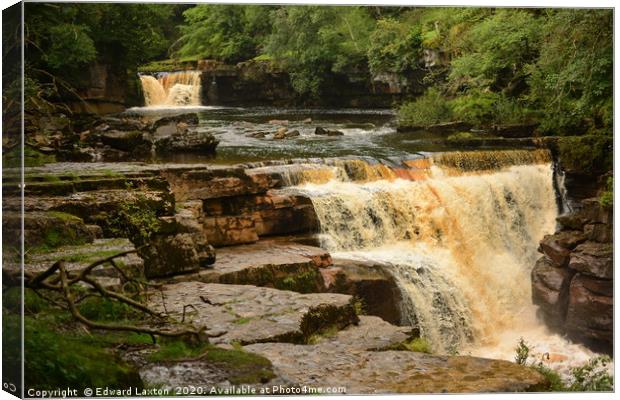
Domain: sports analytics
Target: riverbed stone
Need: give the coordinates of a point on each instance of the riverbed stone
(249, 314)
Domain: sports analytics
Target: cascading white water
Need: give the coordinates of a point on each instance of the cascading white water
(171, 89)
(461, 245)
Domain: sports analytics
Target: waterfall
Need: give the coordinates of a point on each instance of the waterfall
(171, 89)
(459, 235)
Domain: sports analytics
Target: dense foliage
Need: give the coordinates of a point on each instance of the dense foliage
(484, 66)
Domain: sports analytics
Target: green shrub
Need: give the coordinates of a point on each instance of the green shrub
(555, 380)
(429, 109)
(522, 352)
(592, 376)
(477, 108)
(607, 197)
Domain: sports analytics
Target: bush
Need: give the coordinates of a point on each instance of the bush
(592, 376)
(431, 108)
(477, 108)
(607, 197)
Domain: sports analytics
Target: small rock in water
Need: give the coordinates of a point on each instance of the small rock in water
(257, 134)
(280, 133)
(279, 122)
(327, 132)
(307, 120)
(291, 134)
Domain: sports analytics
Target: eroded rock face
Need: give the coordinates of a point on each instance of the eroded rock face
(590, 309)
(572, 282)
(168, 255)
(595, 259)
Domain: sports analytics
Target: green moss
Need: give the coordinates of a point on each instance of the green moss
(12, 299)
(169, 65)
(326, 333)
(56, 358)
(586, 154)
(134, 219)
(32, 158)
(242, 321)
(176, 349)
(461, 136)
(104, 309)
(64, 216)
(244, 367)
(302, 282)
(419, 345)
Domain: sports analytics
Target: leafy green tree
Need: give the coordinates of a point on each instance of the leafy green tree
(572, 79)
(394, 47)
(230, 33)
(313, 41)
(496, 50)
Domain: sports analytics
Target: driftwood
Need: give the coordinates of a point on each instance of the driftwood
(58, 280)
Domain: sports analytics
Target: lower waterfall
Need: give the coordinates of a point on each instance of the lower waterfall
(460, 243)
(180, 88)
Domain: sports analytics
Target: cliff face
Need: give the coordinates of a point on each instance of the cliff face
(572, 283)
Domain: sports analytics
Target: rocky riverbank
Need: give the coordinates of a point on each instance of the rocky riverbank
(224, 253)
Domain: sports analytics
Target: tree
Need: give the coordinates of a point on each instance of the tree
(313, 41)
(572, 79)
(229, 33)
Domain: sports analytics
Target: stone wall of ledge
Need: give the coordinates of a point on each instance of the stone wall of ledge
(572, 283)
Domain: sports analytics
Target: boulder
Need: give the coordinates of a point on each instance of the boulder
(190, 119)
(590, 309)
(558, 246)
(130, 141)
(167, 255)
(602, 233)
(327, 132)
(187, 142)
(594, 259)
(280, 134)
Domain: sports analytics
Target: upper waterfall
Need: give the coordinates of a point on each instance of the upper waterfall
(180, 88)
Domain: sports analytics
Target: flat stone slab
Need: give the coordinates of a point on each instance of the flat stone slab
(370, 333)
(250, 314)
(265, 263)
(370, 372)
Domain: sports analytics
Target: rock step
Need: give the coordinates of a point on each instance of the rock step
(272, 263)
(369, 372)
(249, 314)
(66, 187)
